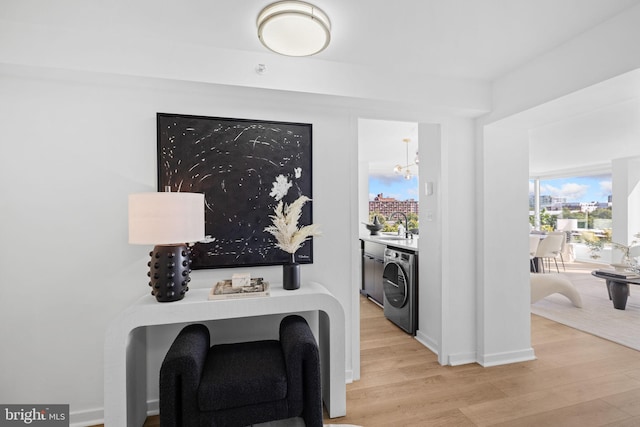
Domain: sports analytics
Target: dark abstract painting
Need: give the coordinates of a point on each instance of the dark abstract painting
(244, 168)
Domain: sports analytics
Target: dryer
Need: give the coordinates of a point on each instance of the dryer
(400, 286)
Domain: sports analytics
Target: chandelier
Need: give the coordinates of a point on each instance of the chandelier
(405, 170)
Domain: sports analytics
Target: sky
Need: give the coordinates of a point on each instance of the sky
(393, 186)
(595, 188)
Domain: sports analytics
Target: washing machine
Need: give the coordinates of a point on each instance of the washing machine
(400, 286)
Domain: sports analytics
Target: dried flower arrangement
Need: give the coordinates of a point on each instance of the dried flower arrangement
(285, 226)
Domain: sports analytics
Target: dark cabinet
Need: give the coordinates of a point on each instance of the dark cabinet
(372, 270)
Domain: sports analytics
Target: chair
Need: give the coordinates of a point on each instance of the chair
(562, 247)
(244, 383)
(534, 241)
(549, 248)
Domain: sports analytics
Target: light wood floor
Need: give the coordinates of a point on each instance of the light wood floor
(577, 380)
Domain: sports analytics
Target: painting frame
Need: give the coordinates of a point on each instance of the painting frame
(244, 167)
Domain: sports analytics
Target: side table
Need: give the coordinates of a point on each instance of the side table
(125, 342)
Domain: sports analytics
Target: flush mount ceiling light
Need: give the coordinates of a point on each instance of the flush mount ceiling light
(294, 28)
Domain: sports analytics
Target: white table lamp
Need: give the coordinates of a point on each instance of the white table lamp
(169, 221)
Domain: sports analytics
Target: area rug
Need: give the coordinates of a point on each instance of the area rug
(597, 316)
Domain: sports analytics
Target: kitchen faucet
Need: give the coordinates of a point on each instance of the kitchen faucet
(407, 235)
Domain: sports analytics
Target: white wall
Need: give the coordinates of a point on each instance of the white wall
(601, 53)
(75, 146)
(626, 201)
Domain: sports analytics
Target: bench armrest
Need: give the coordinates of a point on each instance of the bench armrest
(180, 375)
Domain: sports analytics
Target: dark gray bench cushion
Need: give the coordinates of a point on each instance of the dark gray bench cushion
(242, 374)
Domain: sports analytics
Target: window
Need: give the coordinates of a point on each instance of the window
(388, 194)
(585, 199)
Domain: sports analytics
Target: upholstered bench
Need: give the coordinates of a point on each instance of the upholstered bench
(244, 383)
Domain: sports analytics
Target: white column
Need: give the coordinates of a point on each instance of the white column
(432, 191)
(504, 319)
(626, 201)
(447, 276)
(537, 203)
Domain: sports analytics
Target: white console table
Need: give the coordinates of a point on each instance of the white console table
(125, 402)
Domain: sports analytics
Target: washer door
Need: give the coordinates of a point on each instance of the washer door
(394, 282)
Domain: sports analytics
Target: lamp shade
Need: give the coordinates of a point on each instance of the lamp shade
(166, 218)
(294, 28)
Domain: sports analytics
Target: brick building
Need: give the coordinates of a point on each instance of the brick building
(387, 205)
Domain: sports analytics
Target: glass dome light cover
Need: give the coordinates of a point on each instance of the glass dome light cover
(294, 28)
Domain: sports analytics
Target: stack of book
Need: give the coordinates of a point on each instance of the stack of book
(224, 289)
(618, 274)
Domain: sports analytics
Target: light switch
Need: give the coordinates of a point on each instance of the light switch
(428, 188)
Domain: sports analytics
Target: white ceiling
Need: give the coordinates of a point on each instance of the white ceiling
(475, 39)
(471, 39)
(582, 132)
(381, 145)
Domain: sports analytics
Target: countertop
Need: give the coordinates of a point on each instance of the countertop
(391, 239)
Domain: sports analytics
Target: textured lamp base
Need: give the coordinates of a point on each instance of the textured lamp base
(169, 270)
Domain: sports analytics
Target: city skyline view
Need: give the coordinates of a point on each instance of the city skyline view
(595, 188)
(394, 186)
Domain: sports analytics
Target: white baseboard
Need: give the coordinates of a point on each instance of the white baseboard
(453, 359)
(472, 357)
(96, 416)
(427, 342)
(153, 407)
(86, 418)
(348, 376)
(505, 358)
(462, 358)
